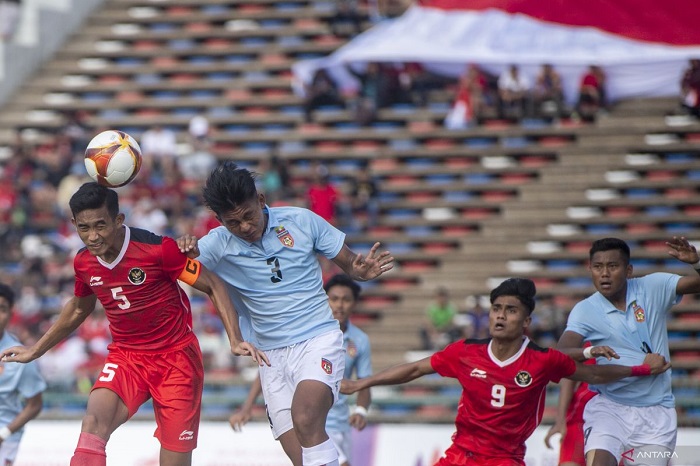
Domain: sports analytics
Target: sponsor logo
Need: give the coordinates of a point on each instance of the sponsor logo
(186, 435)
(478, 373)
(643, 454)
(638, 312)
(136, 276)
(628, 455)
(523, 378)
(327, 366)
(284, 236)
(95, 281)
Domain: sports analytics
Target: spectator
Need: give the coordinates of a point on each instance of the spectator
(159, 148)
(415, 82)
(514, 92)
(461, 115)
(9, 18)
(199, 133)
(321, 91)
(690, 88)
(275, 179)
(592, 97)
(322, 197)
(548, 93)
(363, 194)
(474, 322)
(346, 13)
(439, 330)
(378, 86)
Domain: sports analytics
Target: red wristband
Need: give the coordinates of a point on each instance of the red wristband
(641, 370)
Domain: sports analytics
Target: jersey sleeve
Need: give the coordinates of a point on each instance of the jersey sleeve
(578, 321)
(211, 247)
(560, 365)
(664, 286)
(447, 362)
(327, 239)
(176, 264)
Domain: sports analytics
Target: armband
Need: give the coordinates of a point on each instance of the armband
(588, 352)
(5, 432)
(190, 273)
(361, 410)
(642, 370)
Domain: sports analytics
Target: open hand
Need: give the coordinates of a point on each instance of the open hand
(372, 266)
(188, 245)
(681, 249)
(247, 349)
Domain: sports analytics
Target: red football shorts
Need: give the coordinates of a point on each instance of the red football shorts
(455, 456)
(173, 379)
(571, 450)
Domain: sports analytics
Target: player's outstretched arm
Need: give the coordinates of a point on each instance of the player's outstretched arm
(358, 419)
(392, 376)
(210, 283)
(362, 268)
(571, 344)
(32, 408)
(680, 248)
(72, 315)
(653, 364)
(242, 415)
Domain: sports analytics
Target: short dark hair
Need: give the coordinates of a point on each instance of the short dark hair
(227, 187)
(7, 293)
(610, 244)
(94, 196)
(343, 280)
(522, 288)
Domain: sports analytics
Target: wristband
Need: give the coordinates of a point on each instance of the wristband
(638, 371)
(5, 432)
(588, 352)
(361, 410)
(696, 265)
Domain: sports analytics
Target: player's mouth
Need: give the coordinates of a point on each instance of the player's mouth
(605, 285)
(499, 326)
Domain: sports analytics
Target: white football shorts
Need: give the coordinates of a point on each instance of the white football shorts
(627, 431)
(320, 358)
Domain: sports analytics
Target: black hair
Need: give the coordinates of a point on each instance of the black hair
(522, 288)
(610, 244)
(94, 196)
(7, 293)
(227, 187)
(343, 280)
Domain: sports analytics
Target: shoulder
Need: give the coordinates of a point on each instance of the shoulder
(355, 333)
(532, 346)
(139, 235)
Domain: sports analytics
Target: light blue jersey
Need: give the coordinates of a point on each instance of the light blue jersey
(629, 333)
(276, 283)
(357, 362)
(17, 381)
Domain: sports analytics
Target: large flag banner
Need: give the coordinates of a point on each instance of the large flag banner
(642, 45)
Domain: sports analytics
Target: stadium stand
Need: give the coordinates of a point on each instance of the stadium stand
(460, 209)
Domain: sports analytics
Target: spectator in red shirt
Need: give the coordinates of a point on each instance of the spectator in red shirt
(322, 196)
(592, 95)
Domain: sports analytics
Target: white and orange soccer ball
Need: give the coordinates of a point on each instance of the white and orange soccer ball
(113, 158)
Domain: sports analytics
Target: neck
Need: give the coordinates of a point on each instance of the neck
(115, 248)
(506, 349)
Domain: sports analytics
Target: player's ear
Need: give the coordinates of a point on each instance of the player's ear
(630, 269)
(261, 198)
(119, 219)
(527, 322)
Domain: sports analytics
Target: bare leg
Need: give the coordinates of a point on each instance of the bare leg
(290, 445)
(310, 405)
(175, 458)
(600, 458)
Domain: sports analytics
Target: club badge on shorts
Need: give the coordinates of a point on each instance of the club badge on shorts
(523, 378)
(284, 236)
(136, 276)
(327, 366)
(638, 312)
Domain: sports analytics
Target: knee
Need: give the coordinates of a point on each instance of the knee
(92, 425)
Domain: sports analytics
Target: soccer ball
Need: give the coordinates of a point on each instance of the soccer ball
(113, 158)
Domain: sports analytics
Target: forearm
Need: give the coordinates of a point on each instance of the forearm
(566, 392)
(31, 409)
(68, 320)
(364, 398)
(397, 375)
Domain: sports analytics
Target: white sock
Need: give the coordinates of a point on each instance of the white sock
(324, 454)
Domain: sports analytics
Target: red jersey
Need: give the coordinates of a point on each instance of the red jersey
(146, 308)
(502, 401)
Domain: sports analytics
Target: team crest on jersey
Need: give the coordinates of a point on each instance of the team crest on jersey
(639, 313)
(137, 276)
(351, 349)
(327, 366)
(523, 378)
(284, 236)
